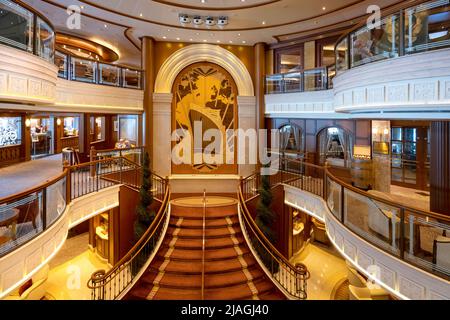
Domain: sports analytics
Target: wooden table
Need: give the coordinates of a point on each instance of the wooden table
(8, 218)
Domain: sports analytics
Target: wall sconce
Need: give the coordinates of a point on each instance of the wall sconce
(386, 131)
(28, 123)
(58, 122)
(375, 131)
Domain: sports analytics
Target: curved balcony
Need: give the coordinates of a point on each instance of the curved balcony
(35, 223)
(401, 64)
(403, 249)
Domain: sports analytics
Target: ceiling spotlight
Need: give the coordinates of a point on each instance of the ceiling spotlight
(222, 21)
(209, 21)
(197, 20)
(184, 19)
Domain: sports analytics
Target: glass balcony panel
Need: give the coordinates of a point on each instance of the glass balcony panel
(61, 61)
(293, 82)
(373, 220)
(131, 79)
(342, 55)
(109, 75)
(427, 26)
(334, 198)
(56, 201)
(427, 243)
(20, 221)
(83, 70)
(274, 83)
(45, 40)
(16, 26)
(369, 45)
(315, 79)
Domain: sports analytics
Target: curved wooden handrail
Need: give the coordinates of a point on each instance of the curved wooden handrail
(48, 183)
(118, 149)
(262, 238)
(100, 275)
(385, 201)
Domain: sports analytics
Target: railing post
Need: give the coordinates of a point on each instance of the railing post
(68, 182)
(92, 156)
(402, 233)
(342, 204)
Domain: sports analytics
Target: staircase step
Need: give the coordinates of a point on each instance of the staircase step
(239, 292)
(198, 233)
(195, 267)
(218, 243)
(209, 224)
(177, 294)
(197, 213)
(212, 254)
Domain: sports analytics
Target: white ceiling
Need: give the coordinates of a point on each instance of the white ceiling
(250, 21)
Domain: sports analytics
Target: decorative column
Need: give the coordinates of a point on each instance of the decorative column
(162, 133)
(148, 51)
(247, 115)
(260, 74)
(440, 167)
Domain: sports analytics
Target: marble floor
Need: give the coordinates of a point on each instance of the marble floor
(26, 175)
(71, 269)
(326, 267)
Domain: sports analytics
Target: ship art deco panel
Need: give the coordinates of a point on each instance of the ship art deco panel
(205, 97)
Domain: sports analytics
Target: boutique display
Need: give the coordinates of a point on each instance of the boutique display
(10, 131)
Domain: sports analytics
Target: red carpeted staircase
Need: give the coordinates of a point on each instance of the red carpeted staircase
(231, 272)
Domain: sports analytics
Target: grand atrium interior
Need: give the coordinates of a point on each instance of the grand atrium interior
(224, 150)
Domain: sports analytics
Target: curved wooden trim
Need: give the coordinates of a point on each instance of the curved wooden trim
(107, 55)
(34, 11)
(206, 8)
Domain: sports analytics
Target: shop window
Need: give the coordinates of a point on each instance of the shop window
(289, 60)
(71, 127)
(16, 26)
(10, 131)
(427, 27)
(128, 131)
(41, 137)
(291, 139)
(98, 129)
(335, 147)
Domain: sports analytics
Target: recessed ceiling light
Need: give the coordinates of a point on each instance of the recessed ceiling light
(244, 42)
(203, 1)
(263, 22)
(239, 34)
(140, 14)
(164, 37)
(324, 8)
(178, 39)
(82, 7)
(231, 41)
(190, 39)
(218, 41)
(205, 40)
(106, 26)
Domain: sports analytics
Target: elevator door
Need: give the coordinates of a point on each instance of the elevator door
(411, 157)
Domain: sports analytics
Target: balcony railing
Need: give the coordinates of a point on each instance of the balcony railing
(292, 278)
(304, 81)
(418, 237)
(420, 28)
(23, 28)
(25, 216)
(91, 71)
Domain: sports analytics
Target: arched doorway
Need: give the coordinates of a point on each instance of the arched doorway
(335, 146)
(291, 140)
(204, 102)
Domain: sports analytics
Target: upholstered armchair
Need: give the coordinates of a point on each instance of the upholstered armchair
(359, 289)
(441, 253)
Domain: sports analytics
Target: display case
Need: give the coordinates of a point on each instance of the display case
(10, 131)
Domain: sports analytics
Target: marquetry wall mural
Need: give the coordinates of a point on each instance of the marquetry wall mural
(205, 97)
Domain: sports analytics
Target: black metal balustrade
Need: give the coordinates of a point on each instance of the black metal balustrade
(420, 238)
